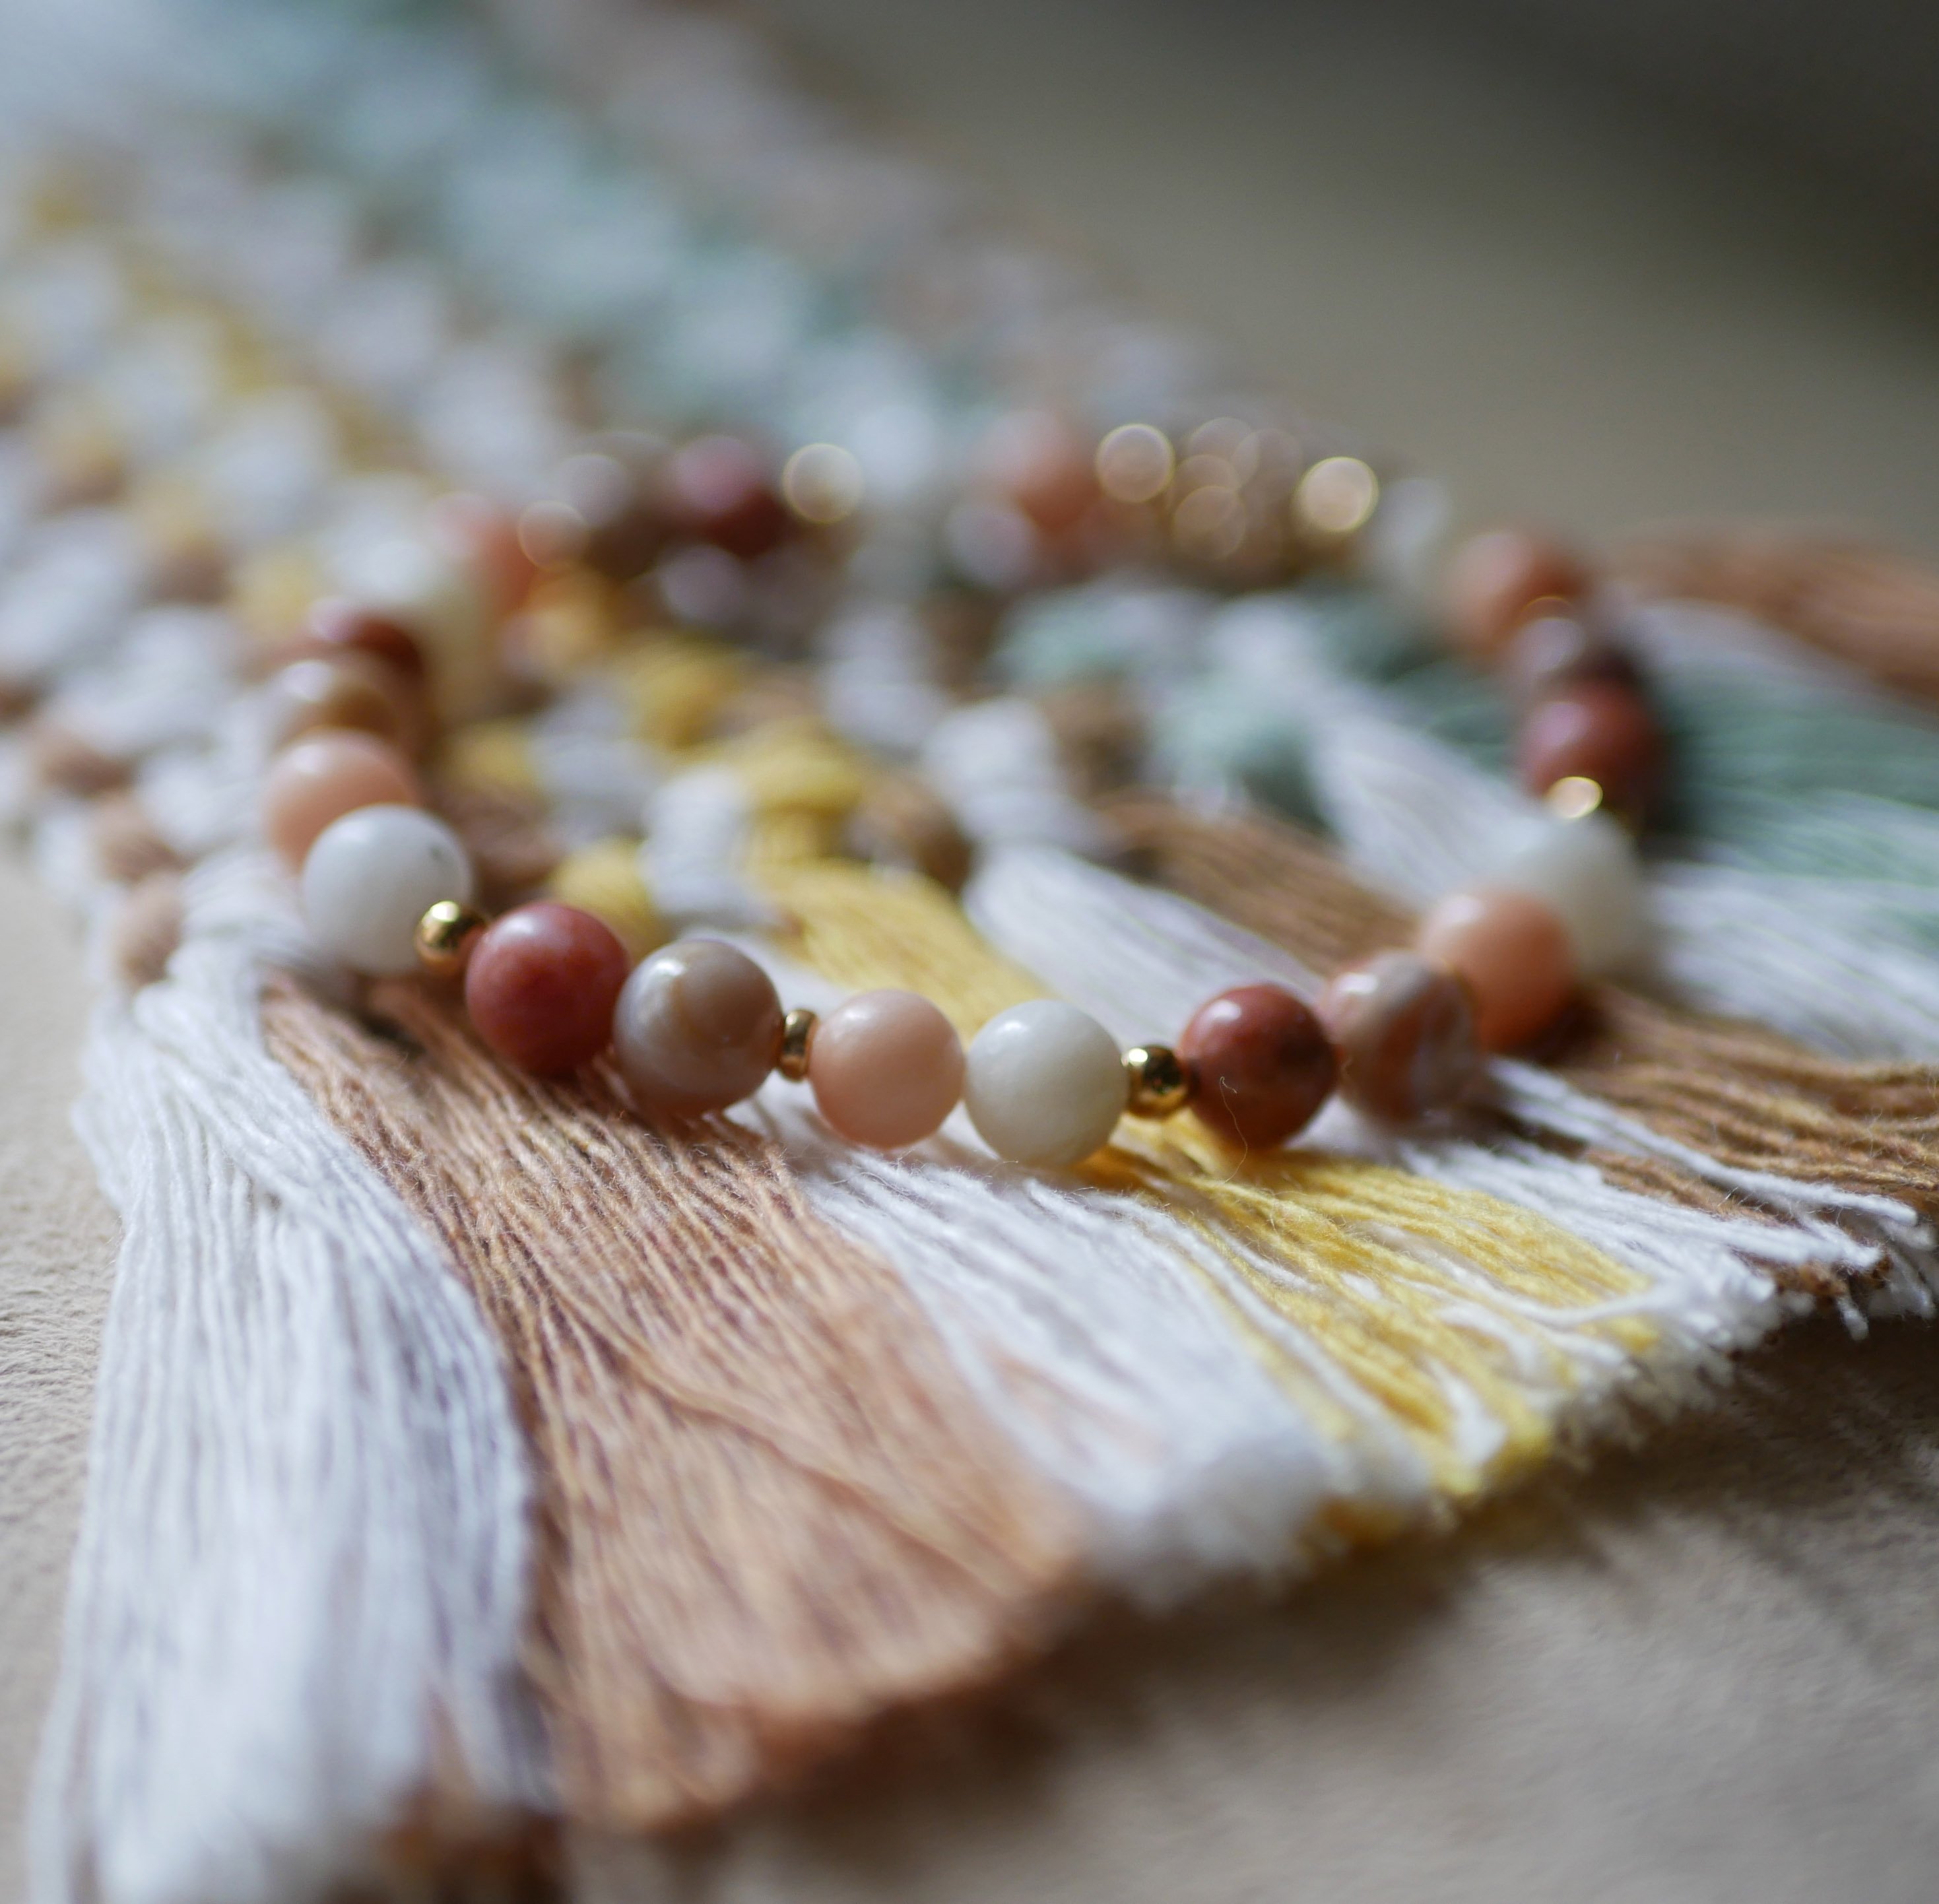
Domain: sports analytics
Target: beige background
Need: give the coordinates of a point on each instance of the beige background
(1704, 1671)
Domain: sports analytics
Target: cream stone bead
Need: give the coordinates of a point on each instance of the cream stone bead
(698, 1027)
(372, 875)
(886, 1069)
(1586, 871)
(1045, 1084)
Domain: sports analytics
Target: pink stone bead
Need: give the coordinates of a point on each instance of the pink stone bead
(1495, 578)
(542, 985)
(320, 778)
(1262, 1063)
(1511, 952)
(1405, 1030)
(886, 1069)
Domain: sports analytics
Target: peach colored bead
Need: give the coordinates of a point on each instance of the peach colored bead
(886, 1069)
(1511, 952)
(323, 776)
(1495, 578)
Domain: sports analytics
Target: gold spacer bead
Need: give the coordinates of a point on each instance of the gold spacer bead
(1161, 1081)
(797, 1034)
(1574, 796)
(447, 935)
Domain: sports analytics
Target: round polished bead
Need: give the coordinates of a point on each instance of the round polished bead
(1495, 578)
(325, 775)
(1599, 731)
(336, 625)
(886, 1069)
(1262, 1062)
(372, 875)
(542, 985)
(1554, 653)
(1160, 1081)
(342, 691)
(1044, 1083)
(721, 493)
(1586, 871)
(698, 1027)
(1404, 1032)
(1512, 953)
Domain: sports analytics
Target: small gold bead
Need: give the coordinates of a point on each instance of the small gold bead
(1161, 1081)
(797, 1034)
(447, 935)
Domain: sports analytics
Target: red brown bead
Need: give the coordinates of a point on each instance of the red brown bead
(720, 491)
(1554, 653)
(1263, 1064)
(1405, 1032)
(1496, 579)
(335, 626)
(541, 984)
(1601, 730)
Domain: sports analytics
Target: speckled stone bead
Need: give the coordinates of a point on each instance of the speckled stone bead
(323, 776)
(698, 1027)
(372, 875)
(1044, 1083)
(1512, 953)
(542, 985)
(1495, 578)
(886, 1068)
(1403, 1031)
(1262, 1062)
(1601, 730)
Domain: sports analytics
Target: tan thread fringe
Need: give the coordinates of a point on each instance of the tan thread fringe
(771, 1509)
(1744, 1095)
(1878, 611)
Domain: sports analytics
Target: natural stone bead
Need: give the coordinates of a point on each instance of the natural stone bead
(343, 691)
(1263, 1065)
(1044, 1083)
(325, 775)
(1512, 953)
(1587, 872)
(1494, 580)
(372, 875)
(901, 821)
(1601, 730)
(720, 491)
(698, 1027)
(1554, 653)
(542, 986)
(1043, 466)
(146, 930)
(126, 846)
(1405, 1032)
(886, 1069)
(336, 625)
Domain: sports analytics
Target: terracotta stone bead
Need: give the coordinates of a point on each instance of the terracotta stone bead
(542, 985)
(1405, 1032)
(325, 775)
(1262, 1062)
(1601, 730)
(345, 692)
(1513, 954)
(1554, 653)
(721, 491)
(335, 626)
(1496, 578)
(698, 1027)
(886, 1069)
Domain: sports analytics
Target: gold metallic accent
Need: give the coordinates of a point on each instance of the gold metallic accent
(797, 1035)
(1135, 463)
(1574, 796)
(1161, 1081)
(1337, 497)
(448, 935)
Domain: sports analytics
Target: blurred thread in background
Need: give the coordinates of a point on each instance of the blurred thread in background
(1607, 263)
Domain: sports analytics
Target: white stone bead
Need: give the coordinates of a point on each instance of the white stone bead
(1586, 869)
(1045, 1084)
(370, 878)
